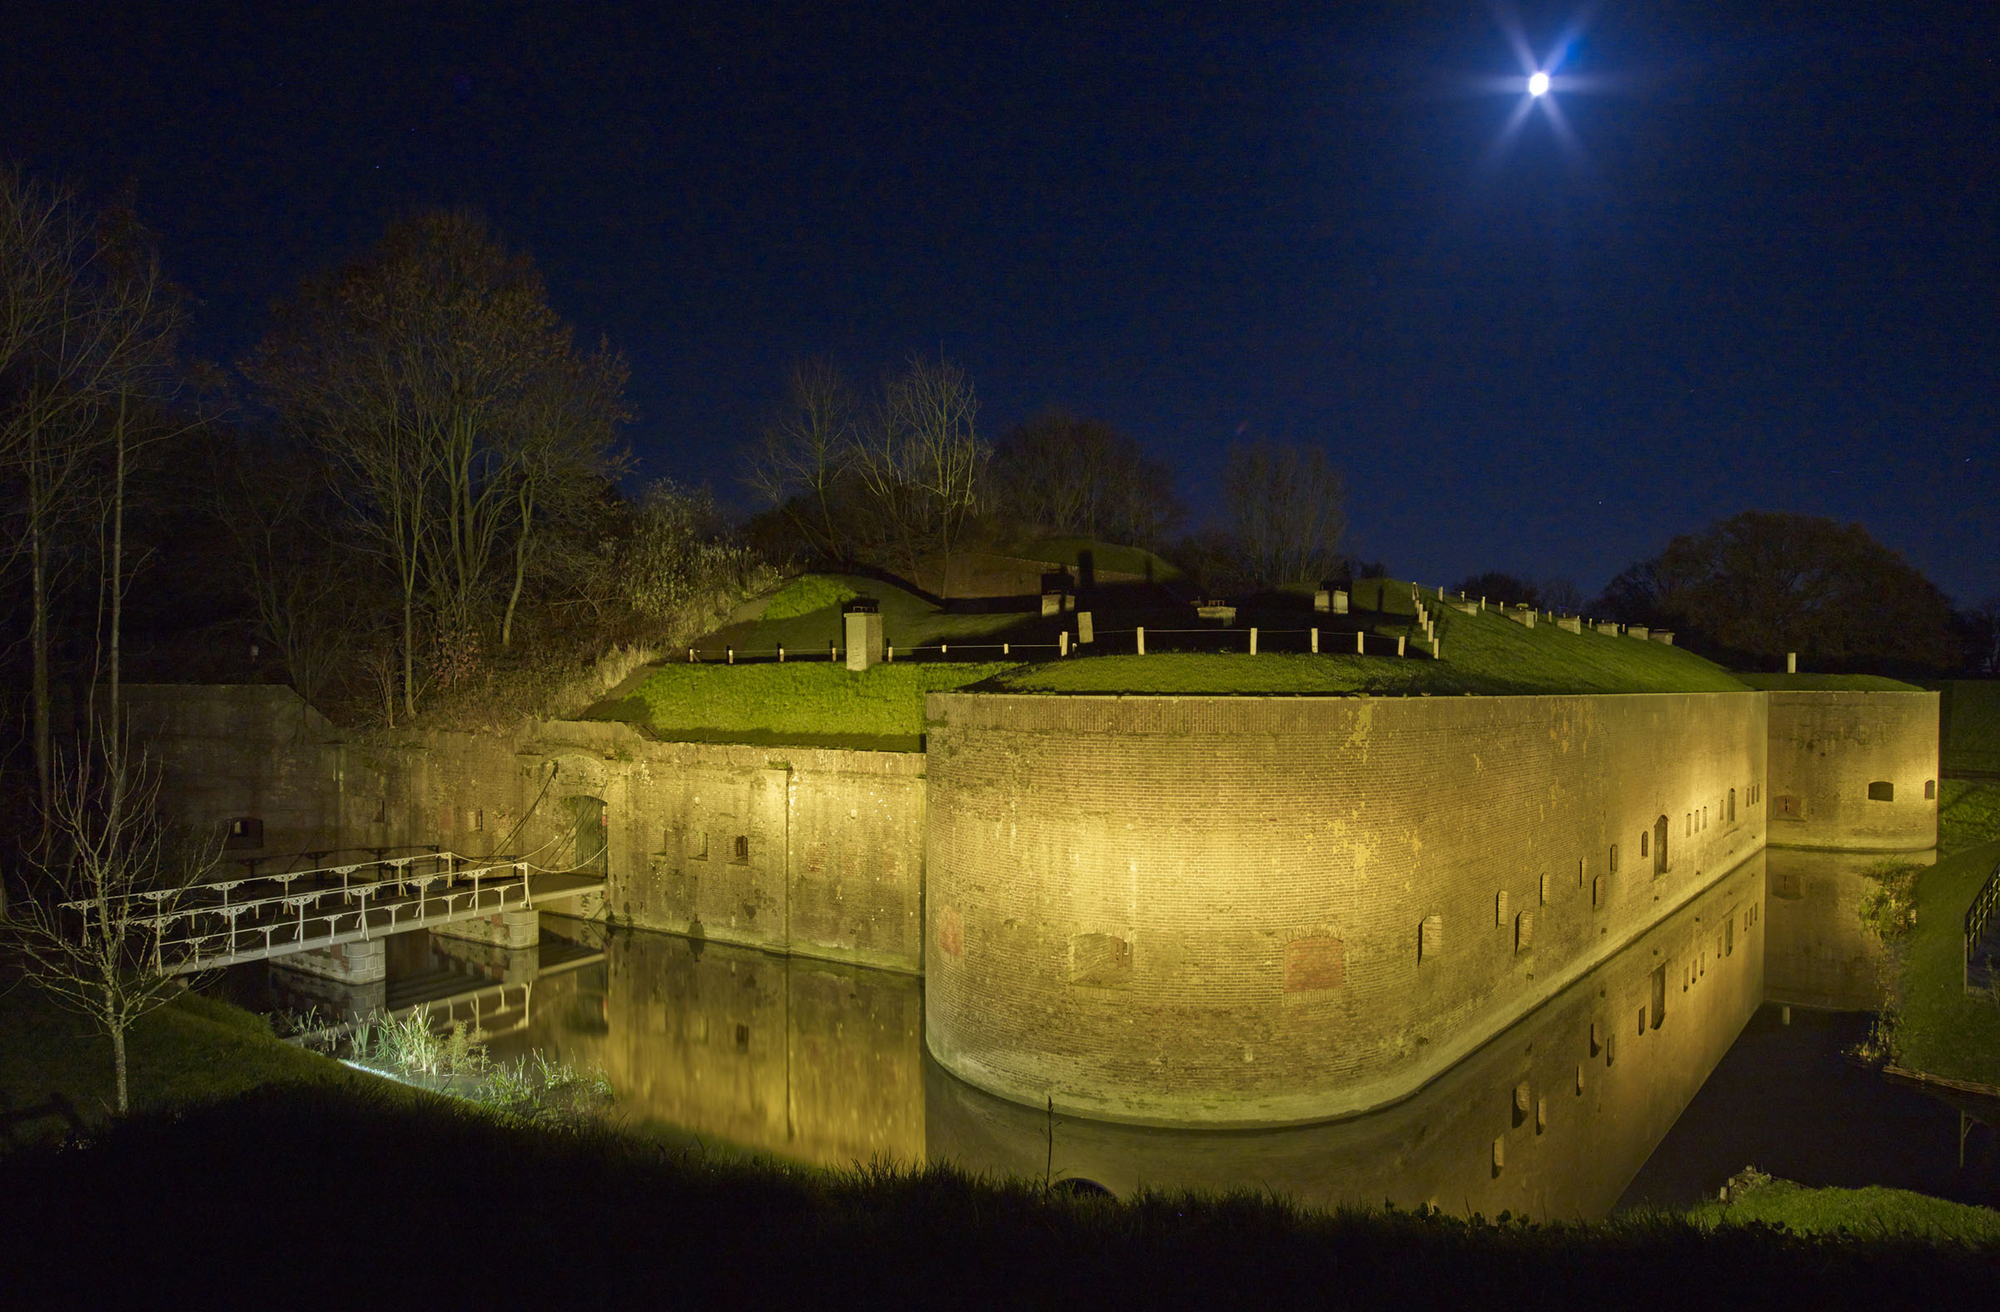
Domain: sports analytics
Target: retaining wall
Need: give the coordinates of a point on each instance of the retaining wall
(1854, 771)
(1256, 910)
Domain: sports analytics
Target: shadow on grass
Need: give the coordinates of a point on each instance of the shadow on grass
(355, 1195)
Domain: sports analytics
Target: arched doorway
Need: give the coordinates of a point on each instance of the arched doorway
(588, 821)
(1660, 846)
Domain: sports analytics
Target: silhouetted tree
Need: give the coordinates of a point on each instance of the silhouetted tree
(1287, 511)
(453, 409)
(919, 463)
(802, 465)
(1763, 583)
(1506, 588)
(1062, 474)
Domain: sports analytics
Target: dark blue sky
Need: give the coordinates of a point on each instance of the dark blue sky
(1764, 275)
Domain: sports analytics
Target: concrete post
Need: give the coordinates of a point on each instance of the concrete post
(1791, 662)
(1399, 644)
(781, 653)
(1253, 640)
(1062, 643)
(862, 624)
(1323, 601)
(1359, 639)
(1085, 630)
(1142, 640)
(730, 654)
(1315, 641)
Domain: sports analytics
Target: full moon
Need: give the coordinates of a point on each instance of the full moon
(1538, 84)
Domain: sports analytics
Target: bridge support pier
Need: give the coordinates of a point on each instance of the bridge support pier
(506, 929)
(348, 979)
(493, 961)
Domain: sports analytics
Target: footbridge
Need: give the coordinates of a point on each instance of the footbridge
(260, 917)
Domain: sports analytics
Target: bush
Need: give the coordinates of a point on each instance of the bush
(1889, 908)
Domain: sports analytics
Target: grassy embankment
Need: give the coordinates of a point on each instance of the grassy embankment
(232, 1185)
(1939, 1028)
(818, 702)
(1827, 683)
(193, 1050)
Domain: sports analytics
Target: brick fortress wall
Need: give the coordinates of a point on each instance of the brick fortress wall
(1247, 910)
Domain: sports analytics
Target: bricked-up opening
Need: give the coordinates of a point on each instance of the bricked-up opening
(1660, 846)
(1881, 791)
(245, 832)
(1314, 963)
(1523, 1102)
(1430, 938)
(1930, 790)
(1729, 937)
(1100, 961)
(1500, 907)
(1659, 995)
(698, 844)
(740, 850)
(951, 933)
(1597, 893)
(1732, 806)
(1645, 843)
(1499, 1155)
(1786, 807)
(589, 826)
(1787, 887)
(1524, 931)
(1611, 864)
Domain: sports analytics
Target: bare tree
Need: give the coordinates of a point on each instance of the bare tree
(106, 870)
(802, 464)
(88, 326)
(1287, 510)
(920, 462)
(447, 397)
(1069, 475)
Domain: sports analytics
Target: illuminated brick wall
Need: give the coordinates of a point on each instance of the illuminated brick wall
(1210, 909)
(1854, 770)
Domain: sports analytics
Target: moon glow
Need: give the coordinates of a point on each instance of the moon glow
(1538, 84)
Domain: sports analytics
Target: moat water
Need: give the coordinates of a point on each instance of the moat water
(1581, 1108)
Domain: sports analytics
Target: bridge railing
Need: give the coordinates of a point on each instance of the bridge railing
(1985, 906)
(201, 926)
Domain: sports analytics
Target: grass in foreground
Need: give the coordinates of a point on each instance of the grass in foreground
(192, 1050)
(1938, 1027)
(1873, 1212)
(694, 1230)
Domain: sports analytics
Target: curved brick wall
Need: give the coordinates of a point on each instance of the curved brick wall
(1829, 749)
(1209, 910)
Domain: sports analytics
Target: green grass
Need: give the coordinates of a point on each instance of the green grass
(804, 703)
(806, 595)
(1483, 653)
(805, 615)
(1971, 728)
(1938, 1027)
(1968, 814)
(194, 1049)
(1873, 1212)
(1827, 683)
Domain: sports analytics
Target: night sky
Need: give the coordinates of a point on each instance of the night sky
(1761, 270)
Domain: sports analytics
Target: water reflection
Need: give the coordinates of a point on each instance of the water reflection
(825, 1063)
(1817, 953)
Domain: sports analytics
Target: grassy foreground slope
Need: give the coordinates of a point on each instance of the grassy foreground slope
(453, 1208)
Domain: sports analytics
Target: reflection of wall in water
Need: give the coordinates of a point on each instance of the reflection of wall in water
(1816, 952)
(1506, 1129)
(813, 1060)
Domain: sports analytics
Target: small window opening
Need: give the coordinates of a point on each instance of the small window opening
(698, 844)
(1881, 791)
(245, 832)
(1101, 961)
(1645, 844)
(1612, 864)
(1729, 937)
(1543, 891)
(1597, 892)
(1659, 995)
(1732, 806)
(742, 853)
(1430, 937)
(1930, 790)
(1500, 907)
(1524, 931)
(743, 1038)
